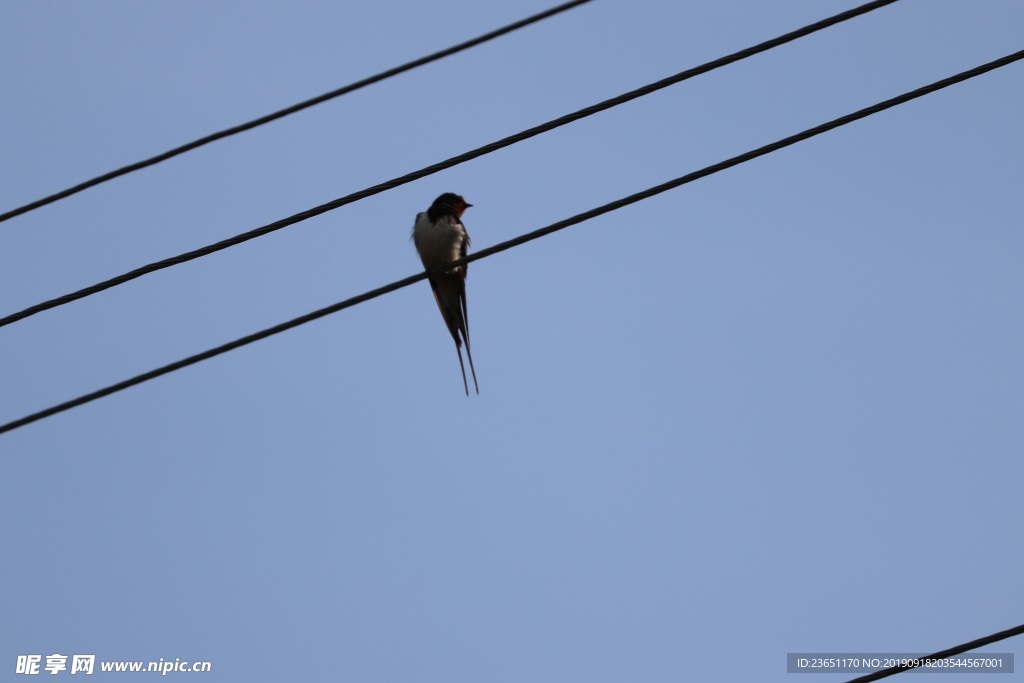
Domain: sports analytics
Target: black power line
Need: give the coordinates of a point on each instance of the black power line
(440, 166)
(951, 652)
(213, 137)
(490, 251)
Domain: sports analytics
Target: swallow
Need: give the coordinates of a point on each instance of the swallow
(440, 238)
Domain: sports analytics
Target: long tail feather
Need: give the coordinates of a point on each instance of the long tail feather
(471, 368)
(450, 294)
(463, 368)
(465, 335)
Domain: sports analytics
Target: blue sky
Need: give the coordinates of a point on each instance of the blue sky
(776, 410)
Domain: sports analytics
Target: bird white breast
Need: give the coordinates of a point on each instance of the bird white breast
(437, 242)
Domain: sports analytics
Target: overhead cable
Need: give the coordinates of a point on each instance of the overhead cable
(490, 251)
(219, 135)
(440, 166)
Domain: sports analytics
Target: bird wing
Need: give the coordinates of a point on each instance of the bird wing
(450, 294)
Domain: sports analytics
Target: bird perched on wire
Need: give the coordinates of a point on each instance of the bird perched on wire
(440, 238)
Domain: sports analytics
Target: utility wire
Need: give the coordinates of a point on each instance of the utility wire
(951, 652)
(408, 66)
(440, 166)
(522, 239)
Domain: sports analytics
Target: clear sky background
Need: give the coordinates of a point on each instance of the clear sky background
(776, 410)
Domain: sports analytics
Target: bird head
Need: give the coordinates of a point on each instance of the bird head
(450, 202)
